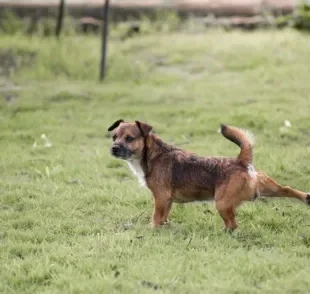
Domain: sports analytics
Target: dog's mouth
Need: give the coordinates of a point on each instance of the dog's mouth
(121, 152)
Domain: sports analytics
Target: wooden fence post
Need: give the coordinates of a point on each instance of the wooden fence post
(60, 17)
(104, 40)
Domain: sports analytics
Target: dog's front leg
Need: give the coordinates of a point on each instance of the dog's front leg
(162, 207)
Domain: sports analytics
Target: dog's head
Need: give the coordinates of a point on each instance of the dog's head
(129, 139)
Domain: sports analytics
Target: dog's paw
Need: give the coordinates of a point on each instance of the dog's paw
(229, 230)
(156, 225)
(161, 224)
(308, 199)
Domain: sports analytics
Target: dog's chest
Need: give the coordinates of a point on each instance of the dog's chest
(137, 170)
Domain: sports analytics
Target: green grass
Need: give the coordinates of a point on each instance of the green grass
(74, 220)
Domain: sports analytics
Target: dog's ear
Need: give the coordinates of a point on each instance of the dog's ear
(115, 125)
(144, 128)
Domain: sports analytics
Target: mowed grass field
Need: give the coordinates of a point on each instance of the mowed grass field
(74, 219)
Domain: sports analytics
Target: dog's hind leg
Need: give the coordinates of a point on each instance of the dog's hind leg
(226, 207)
(266, 186)
(230, 195)
(228, 215)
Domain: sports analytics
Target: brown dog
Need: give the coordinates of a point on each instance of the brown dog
(174, 175)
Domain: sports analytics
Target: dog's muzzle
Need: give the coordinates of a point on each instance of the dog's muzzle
(120, 152)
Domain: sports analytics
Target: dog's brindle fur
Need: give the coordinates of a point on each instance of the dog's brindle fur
(175, 175)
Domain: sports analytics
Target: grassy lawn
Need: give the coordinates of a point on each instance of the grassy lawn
(74, 220)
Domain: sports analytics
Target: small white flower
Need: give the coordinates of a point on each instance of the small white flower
(47, 142)
(287, 123)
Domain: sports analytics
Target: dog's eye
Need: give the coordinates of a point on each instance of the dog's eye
(114, 137)
(129, 139)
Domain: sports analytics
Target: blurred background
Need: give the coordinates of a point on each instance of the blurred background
(35, 16)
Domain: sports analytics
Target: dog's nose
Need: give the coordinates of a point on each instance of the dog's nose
(115, 149)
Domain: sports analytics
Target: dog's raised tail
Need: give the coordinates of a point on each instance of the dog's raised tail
(243, 138)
